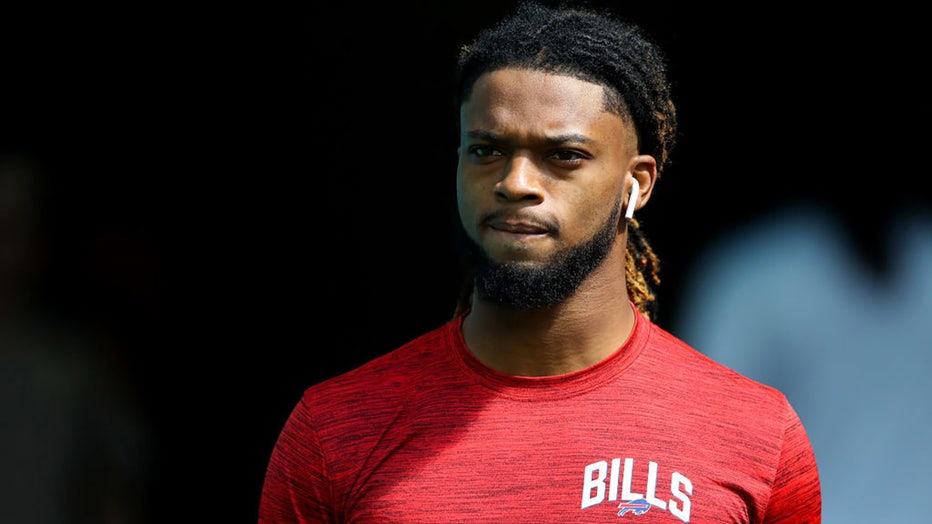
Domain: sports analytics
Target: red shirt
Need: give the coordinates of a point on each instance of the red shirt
(428, 434)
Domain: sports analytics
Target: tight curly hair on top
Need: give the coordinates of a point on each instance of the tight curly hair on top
(594, 46)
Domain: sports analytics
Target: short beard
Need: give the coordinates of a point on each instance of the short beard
(517, 286)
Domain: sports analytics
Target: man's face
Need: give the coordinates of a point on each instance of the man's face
(540, 180)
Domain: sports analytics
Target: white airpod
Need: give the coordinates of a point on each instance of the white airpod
(633, 199)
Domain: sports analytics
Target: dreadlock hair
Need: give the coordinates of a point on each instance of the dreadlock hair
(593, 46)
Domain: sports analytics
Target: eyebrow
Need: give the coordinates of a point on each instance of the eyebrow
(481, 134)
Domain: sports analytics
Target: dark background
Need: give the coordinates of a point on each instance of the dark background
(251, 199)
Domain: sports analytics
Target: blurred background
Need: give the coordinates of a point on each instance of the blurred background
(204, 210)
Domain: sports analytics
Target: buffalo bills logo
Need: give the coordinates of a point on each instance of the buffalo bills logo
(638, 507)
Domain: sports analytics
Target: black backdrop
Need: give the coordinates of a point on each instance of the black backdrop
(254, 198)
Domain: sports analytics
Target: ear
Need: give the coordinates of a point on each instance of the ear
(644, 169)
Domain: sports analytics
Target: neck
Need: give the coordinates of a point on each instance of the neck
(588, 327)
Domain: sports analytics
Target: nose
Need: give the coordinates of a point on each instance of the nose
(520, 181)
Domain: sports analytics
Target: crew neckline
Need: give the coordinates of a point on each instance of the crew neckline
(552, 386)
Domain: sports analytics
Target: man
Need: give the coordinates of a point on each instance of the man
(550, 396)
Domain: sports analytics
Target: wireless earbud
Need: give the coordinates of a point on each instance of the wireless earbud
(633, 199)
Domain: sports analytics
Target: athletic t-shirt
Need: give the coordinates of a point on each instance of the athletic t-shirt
(657, 432)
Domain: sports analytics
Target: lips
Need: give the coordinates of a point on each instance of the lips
(517, 226)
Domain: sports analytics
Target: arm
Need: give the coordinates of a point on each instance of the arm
(796, 496)
(297, 485)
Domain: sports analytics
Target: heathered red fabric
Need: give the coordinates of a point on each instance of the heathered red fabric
(656, 433)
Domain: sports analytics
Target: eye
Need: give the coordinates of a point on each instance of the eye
(568, 156)
(482, 151)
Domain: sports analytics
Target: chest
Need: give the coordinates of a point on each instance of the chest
(552, 463)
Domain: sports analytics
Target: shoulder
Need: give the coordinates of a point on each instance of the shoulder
(364, 402)
(386, 376)
(727, 408)
(683, 367)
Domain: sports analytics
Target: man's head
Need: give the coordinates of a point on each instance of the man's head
(588, 45)
(559, 110)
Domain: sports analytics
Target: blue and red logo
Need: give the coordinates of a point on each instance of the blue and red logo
(637, 507)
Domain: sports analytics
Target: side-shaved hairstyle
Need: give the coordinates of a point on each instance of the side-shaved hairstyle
(594, 46)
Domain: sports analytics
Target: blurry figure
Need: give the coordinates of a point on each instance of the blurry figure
(72, 441)
(793, 301)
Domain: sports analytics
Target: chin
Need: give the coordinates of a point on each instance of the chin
(518, 259)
